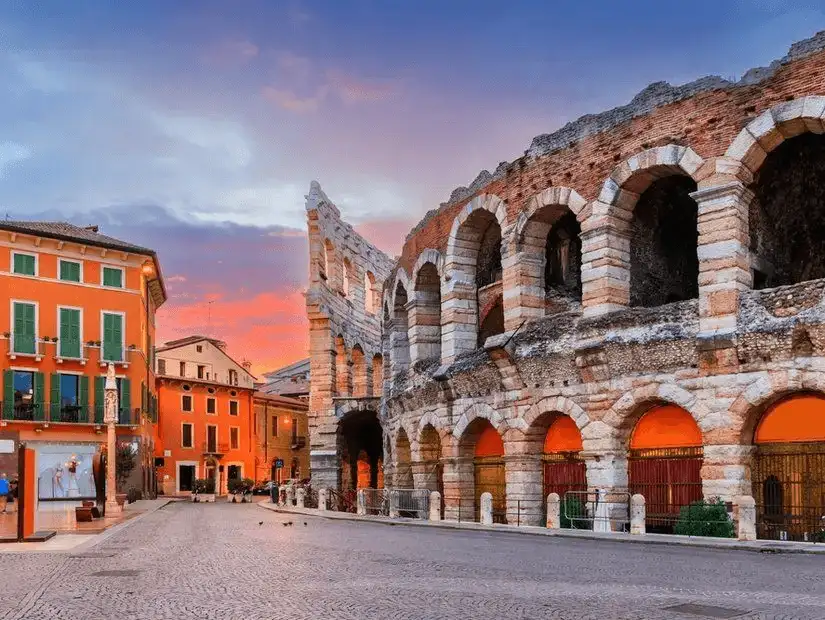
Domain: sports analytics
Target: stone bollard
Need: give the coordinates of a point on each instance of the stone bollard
(361, 507)
(322, 499)
(747, 517)
(638, 514)
(300, 497)
(553, 511)
(290, 496)
(282, 496)
(394, 512)
(435, 506)
(486, 509)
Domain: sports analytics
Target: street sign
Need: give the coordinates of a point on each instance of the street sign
(279, 463)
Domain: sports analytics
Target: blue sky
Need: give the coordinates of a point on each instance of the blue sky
(172, 122)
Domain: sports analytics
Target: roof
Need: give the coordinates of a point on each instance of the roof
(282, 400)
(219, 345)
(292, 379)
(298, 367)
(70, 232)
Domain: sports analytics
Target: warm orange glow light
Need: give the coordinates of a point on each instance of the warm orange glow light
(801, 418)
(562, 436)
(667, 426)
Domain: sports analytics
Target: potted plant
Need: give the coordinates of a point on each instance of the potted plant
(54, 338)
(204, 490)
(97, 343)
(91, 343)
(233, 486)
(126, 460)
(6, 334)
(246, 489)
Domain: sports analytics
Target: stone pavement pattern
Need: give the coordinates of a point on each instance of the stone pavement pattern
(216, 561)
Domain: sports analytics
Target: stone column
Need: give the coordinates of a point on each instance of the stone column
(746, 517)
(459, 485)
(638, 514)
(393, 512)
(217, 479)
(361, 499)
(323, 425)
(110, 407)
(400, 346)
(300, 497)
(459, 314)
(523, 477)
(486, 509)
(523, 287)
(435, 506)
(290, 495)
(424, 315)
(726, 471)
(322, 499)
(553, 511)
(606, 470)
(605, 259)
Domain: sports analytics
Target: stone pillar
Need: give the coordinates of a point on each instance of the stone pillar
(553, 511)
(110, 417)
(459, 314)
(606, 470)
(282, 495)
(323, 426)
(747, 517)
(300, 497)
(726, 471)
(400, 346)
(459, 486)
(638, 514)
(523, 287)
(290, 495)
(523, 477)
(435, 506)
(486, 509)
(322, 499)
(605, 259)
(425, 325)
(361, 505)
(724, 255)
(393, 512)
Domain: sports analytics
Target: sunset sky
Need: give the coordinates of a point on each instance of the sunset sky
(195, 127)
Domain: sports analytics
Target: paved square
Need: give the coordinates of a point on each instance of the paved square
(239, 561)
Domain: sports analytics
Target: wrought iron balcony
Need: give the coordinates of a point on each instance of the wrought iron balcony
(214, 448)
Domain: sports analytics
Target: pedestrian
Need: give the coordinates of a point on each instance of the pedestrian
(13, 490)
(4, 492)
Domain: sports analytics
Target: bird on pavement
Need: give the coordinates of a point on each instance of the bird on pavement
(260, 522)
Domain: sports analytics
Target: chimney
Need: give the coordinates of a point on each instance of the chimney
(247, 365)
(93, 228)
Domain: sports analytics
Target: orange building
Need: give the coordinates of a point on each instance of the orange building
(77, 300)
(204, 427)
(281, 432)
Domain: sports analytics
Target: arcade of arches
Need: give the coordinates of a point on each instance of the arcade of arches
(361, 447)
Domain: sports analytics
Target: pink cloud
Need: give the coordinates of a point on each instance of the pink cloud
(356, 90)
(289, 100)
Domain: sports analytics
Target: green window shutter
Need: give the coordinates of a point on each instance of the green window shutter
(83, 397)
(113, 337)
(143, 405)
(100, 383)
(69, 332)
(54, 384)
(125, 401)
(8, 394)
(39, 395)
(24, 341)
(70, 271)
(112, 277)
(24, 264)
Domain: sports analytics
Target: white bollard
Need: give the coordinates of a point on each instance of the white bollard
(300, 497)
(747, 517)
(486, 509)
(322, 499)
(553, 511)
(435, 506)
(290, 496)
(638, 514)
(282, 496)
(361, 506)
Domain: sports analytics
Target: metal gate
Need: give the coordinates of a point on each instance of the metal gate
(489, 478)
(410, 503)
(563, 472)
(789, 489)
(670, 479)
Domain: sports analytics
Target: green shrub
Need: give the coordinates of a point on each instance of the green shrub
(705, 518)
(234, 485)
(204, 485)
(573, 514)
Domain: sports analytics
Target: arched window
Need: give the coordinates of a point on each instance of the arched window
(370, 301)
(425, 321)
(346, 274)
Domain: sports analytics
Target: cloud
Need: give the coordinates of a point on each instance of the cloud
(354, 90)
(346, 88)
(293, 63)
(289, 100)
(10, 154)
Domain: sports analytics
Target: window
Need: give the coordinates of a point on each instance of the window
(24, 264)
(211, 406)
(25, 334)
(233, 377)
(23, 394)
(69, 320)
(69, 398)
(186, 435)
(211, 439)
(294, 430)
(186, 402)
(234, 438)
(233, 407)
(69, 270)
(274, 426)
(112, 337)
(199, 348)
(201, 370)
(183, 369)
(161, 367)
(112, 276)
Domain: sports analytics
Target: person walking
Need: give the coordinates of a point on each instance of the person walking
(4, 492)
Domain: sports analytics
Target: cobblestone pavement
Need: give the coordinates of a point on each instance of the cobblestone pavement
(238, 561)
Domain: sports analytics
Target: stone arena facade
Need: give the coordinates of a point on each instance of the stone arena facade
(635, 304)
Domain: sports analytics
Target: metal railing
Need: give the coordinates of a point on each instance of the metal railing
(406, 503)
(342, 501)
(600, 512)
(213, 447)
(797, 523)
(63, 414)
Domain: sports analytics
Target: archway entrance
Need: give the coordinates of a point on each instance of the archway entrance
(431, 469)
(563, 469)
(403, 462)
(488, 471)
(789, 470)
(360, 441)
(665, 464)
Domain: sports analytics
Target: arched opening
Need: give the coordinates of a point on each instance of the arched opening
(403, 461)
(425, 321)
(664, 265)
(482, 442)
(488, 277)
(343, 378)
(399, 337)
(665, 464)
(359, 372)
(328, 258)
(432, 471)
(787, 214)
(492, 320)
(346, 276)
(377, 375)
(563, 467)
(370, 301)
(360, 441)
(788, 471)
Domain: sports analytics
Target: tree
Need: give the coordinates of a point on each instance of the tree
(125, 464)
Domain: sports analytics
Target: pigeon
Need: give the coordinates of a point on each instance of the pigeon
(260, 522)
(305, 523)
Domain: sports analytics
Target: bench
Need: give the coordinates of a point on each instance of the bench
(83, 514)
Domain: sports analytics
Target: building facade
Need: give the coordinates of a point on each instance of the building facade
(281, 432)
(634, 305)
(76, 301)
(204, 427)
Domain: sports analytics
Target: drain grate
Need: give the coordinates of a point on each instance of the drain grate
(92, 554)
(116, 573)
(708, 611)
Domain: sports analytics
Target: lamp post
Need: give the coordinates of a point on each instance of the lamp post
(110, 419)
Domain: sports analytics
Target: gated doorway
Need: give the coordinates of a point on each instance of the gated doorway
(360, 441)
(788, 473)
(432, 470)
(563, 469)
(665, 465)
(488, 472)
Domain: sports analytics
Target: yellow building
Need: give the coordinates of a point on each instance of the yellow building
(282, 436)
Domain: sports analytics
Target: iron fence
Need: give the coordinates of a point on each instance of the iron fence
(597, 511)
(63, 414)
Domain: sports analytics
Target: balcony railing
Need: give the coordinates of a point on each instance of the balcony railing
(212, 447)
(25, 345)
(62, 414)
(298, 442)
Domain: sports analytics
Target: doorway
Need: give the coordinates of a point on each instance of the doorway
(234, 472)
(186, 477)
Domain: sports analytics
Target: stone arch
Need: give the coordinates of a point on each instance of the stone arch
(425, 307)
(359, 371)
(343, 374)
(399, 329)
(399, 279)
(347, 275)
(371, 300)
(558, 404)
(402, 453)
(328, 261)
(485, 202)
(479, 411)
(428, 256)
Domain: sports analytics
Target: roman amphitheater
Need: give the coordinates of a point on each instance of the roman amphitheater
(636, 304)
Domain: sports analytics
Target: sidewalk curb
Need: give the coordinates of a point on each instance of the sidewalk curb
(646, 539)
